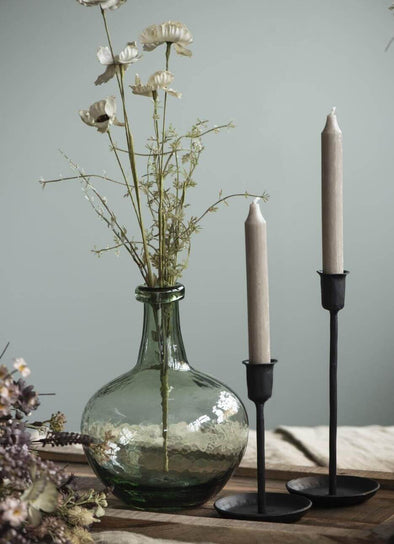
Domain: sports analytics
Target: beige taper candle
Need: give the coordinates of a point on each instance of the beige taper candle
(257, 285)
(332, 200)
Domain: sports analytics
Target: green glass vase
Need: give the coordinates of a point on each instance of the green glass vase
(173, 435)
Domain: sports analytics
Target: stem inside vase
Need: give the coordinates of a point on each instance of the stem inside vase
(162, 315)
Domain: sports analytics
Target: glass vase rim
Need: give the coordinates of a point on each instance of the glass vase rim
(160, 295)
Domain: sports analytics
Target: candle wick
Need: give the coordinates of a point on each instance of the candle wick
(333, 111)
(256, 200)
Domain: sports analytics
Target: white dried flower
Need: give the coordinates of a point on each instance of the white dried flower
(21, 366)
(77, 515)
(197, 146)
(99, 512)
(79, 535)
(42, 494)
(158, 80)
(4, 393)
(105, 4)
(101, 114)
(14, 511)
(169, 32)
(127, 56)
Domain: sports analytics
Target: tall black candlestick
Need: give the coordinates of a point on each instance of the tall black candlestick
(333, 490)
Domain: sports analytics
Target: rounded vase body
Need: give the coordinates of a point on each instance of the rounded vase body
(172, 435)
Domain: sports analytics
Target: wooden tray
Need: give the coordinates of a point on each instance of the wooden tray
(372, 521)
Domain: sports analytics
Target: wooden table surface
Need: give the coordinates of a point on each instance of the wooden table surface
(372, 521)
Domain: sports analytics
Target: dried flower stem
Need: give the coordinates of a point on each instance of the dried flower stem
(119, 234)
(104, 249)
(130, 145)
(263, 197)
(82, 176)
(4, 350)
(162, 248)
(123, 172)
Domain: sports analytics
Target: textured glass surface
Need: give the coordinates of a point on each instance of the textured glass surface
(174, 435)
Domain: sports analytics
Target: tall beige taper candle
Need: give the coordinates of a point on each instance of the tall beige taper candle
(257, 285)
(332, 201)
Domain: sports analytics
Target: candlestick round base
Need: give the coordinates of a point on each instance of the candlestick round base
(280, 507)
(350, 490)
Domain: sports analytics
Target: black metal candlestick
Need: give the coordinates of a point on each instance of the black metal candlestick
(333, 490)
(262, 506)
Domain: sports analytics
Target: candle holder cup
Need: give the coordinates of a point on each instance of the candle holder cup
(333, 490)
(262, 506)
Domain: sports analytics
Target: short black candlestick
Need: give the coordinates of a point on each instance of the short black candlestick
(262, 506)
(334, 490)
(259, 378)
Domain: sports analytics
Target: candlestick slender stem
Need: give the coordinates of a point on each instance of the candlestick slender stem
(333, 401)
(260, 435)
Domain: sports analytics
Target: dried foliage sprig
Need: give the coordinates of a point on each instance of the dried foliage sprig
(38, 500)
(161, 238)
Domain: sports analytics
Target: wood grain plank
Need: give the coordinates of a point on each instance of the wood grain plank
(371, 522)
(59, 456)
(225, 531)
(385, 531)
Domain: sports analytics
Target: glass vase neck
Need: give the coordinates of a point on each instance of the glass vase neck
(161, 343)
(160, 295)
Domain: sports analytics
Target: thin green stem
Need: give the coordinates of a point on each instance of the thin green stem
(158, 161)
(147, 154)
(179, 220)
(162, 332)
(165, 389)
(162, 221)
(104, 249)
(105, 178)
(264, 198)
(4, 350)
(130, 146)
(129, 248)
(109, 40)
(123, 173)
(121, 234)
(150, 198)
(213, 129)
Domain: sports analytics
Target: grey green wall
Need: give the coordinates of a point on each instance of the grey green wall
(275, 68)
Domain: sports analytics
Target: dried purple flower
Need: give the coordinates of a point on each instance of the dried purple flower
(38, 500)
(4, 372)
(13, 433)
(12, 536)
(28, 398)
(5, 408)
(53, 527)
